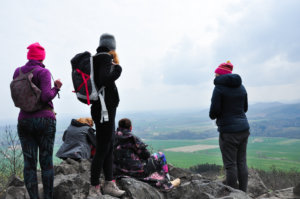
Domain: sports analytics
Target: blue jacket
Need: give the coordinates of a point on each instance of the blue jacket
(229, 104)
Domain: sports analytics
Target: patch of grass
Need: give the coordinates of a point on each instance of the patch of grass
(262, 153)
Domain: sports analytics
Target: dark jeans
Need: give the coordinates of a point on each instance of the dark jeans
(233, 148)
(38, 134)
(103, 158)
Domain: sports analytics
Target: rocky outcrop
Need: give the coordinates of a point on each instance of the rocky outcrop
(296, 189)
(72, 182)
(136, 189)
(280, 194)
(256, 187)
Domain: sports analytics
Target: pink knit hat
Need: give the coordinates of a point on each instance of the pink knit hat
(224, 68)
(36, 52)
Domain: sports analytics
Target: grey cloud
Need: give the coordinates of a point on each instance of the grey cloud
(186, 64)
(259, 37)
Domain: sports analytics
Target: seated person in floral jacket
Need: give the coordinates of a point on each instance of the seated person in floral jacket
(131, 158)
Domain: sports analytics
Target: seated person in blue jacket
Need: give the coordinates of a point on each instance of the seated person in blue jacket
(131, 158)
(79, 140)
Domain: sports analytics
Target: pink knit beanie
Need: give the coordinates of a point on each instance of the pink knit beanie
(36, 52)
(224, 68)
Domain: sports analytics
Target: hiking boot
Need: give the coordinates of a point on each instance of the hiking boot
(111, 188)
(95, 192)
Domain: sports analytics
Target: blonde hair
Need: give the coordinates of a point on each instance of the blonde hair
(86, 120)
(114, 54)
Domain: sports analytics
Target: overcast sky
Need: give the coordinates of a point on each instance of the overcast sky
(168, 49)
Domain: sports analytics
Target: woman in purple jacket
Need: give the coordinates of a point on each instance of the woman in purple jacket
(36, 130)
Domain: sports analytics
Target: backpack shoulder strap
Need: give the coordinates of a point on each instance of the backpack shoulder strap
(32, 70)
(20, 71)
(104, 112)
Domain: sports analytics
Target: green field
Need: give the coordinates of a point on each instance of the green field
(262, 153)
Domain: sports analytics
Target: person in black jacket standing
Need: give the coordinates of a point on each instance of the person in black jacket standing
(228, 105)
(107, 70)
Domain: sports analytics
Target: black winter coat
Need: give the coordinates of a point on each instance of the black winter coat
(106, 75)
(229, 104)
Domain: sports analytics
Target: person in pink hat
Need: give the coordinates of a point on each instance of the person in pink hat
(36, 130)
(229, 103)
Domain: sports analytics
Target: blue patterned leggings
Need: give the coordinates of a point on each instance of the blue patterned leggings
(38, 134)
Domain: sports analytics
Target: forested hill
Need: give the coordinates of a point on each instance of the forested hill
(274, 111)
(275, 120)
(266, 120)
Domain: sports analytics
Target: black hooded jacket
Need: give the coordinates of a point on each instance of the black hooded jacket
(229, 104)
(106, 75)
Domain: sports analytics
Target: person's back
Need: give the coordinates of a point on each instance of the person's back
(130, 154)
(106, 71)
(78, 139)
(36, 130)
(229, 104)
(41, 78)
(131, 158)
(105, 75)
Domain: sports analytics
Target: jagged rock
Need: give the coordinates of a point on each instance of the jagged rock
(16, 193)
(183, 174)
(15, 181)
(72, 181)
(296, 189)
(72, 186)
(136, 189)
(205, 189)
(20, 192)
(2, 194)
(256, 187)
(280, 194)
(70, 166)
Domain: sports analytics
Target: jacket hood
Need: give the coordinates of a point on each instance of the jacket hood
(229, 80)
(78, 124)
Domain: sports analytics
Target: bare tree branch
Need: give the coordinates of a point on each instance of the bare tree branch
(10, 155)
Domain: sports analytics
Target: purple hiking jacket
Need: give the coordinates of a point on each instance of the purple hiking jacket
(42, 79)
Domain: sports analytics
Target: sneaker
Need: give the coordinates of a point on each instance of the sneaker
(111, 188)
(95, 191)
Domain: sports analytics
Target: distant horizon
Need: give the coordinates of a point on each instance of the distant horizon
(13, 121)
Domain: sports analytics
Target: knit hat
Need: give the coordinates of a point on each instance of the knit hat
(36, 52)
(224, 68)
(107, 40)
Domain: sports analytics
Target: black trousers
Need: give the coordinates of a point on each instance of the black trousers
(103, 158)
(37, 140)
(234, 150)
